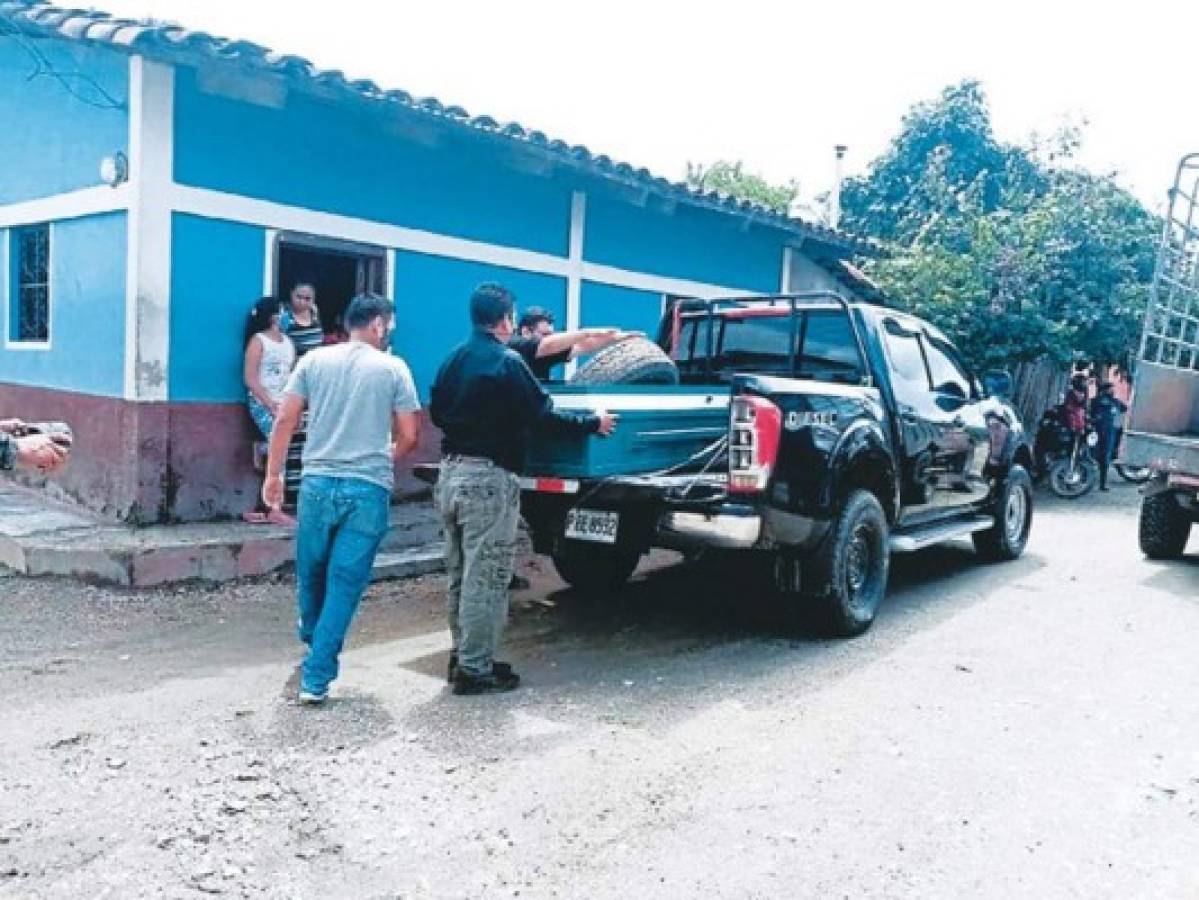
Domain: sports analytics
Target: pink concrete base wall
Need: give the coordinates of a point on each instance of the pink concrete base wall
(163, 462)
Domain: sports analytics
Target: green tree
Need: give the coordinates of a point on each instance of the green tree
(731, 180)
(1008, 248)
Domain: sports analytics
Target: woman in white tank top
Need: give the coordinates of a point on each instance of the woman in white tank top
(269, 358)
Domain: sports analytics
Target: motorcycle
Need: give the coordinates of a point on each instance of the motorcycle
(1064, 458)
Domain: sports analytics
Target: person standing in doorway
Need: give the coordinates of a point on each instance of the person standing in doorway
(486, 401)
(267, 363)
(542, 348)
(362, 409)
(1107, 416)
(302, 320)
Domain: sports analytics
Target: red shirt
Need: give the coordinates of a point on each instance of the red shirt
(1075, 410)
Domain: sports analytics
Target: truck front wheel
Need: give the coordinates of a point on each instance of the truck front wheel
(594, 571)
(1013, 518)
(847, 575)
(1165, 526)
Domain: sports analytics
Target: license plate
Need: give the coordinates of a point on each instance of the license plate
(593, 525)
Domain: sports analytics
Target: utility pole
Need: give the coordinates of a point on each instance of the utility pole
(834, 197)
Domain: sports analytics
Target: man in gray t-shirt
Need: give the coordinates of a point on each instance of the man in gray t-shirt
(361, 418)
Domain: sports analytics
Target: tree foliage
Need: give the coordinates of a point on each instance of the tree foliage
(1010, 249)
(731, 179)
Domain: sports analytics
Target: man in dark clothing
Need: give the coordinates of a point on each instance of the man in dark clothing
(1107, 415)
(542, 348)
(487, 403)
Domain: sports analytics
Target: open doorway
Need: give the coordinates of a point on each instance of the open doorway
(337, 270)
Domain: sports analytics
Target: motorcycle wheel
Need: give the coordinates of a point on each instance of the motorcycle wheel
(1134, 474)
(1070, 483)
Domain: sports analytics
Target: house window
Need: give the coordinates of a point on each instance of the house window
(29, 292)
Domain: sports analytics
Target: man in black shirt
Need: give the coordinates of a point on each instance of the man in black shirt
(542, 348)
(487, 404)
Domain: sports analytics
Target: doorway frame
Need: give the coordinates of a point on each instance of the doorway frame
(276, 238)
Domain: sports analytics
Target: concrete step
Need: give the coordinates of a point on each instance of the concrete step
(39, 537)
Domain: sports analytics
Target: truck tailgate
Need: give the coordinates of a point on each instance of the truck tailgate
(661, 427)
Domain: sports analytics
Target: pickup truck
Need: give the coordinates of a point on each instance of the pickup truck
(818, 434)
(1163, 426)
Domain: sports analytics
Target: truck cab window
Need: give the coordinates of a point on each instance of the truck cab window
(828, 347)
(907, 357)
(949, 377)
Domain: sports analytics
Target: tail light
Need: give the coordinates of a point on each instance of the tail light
(755, 425)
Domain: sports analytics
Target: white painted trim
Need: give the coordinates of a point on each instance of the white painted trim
(133, 224)
(148, 260)
(574, 280)
(390, 274)
(29, 346)
(574, 283)
(91, 201)
(660, 284)
(268, 214)
(270, 261)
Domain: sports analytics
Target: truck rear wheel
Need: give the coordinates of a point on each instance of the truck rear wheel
(1165, 526)
(1013, 519)
(847, 574)
(595, 571)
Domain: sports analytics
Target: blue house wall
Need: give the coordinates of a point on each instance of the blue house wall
(431, 305)
(50, 140)
(86, 352)
(605, 304)
(336, 157)
(690, 243)
(216, 275)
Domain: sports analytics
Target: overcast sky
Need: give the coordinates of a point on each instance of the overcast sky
(775, 84)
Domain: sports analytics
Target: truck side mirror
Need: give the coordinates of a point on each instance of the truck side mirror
(998, 383)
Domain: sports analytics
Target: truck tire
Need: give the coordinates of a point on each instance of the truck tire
(594, 571)
(847, 574)
(1164, 527)
(635, 361)
(1013, 519)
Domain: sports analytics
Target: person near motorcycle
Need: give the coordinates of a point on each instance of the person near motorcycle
(1107, 413)
(1074, 406)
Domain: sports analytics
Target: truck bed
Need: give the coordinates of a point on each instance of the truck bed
(1166, 452)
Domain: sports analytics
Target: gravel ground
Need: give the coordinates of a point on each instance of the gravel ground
(1019, 730)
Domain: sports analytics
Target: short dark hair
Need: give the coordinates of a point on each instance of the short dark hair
(534, 316)
(490, 304)
(365, 308)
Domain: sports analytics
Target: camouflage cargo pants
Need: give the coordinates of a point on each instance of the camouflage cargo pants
(479, 503)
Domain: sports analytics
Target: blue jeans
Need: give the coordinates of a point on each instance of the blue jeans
(342, 522)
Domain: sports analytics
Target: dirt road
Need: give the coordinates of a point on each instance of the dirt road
(1026, 730)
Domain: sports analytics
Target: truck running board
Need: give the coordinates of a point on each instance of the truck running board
(927, 535)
